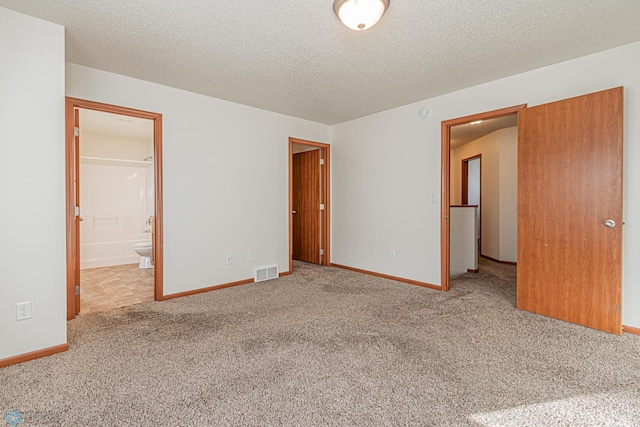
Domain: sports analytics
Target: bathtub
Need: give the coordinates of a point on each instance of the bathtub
(106, 254)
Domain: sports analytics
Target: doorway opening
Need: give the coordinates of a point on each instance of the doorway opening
(114, 206)
(471, 192)
(457, 143)
(309, 200)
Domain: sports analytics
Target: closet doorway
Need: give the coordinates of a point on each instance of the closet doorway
(309, 173)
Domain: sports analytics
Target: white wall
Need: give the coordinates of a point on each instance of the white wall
(473, 182)
(463, 245)
(225, 177)
(388, 167)
(473, 191)
(32, 216)
(115, 147)
(509, 194)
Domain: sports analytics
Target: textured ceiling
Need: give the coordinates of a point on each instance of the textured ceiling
(101, 123)
(294, 57)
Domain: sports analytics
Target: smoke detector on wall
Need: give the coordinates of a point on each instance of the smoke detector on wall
(425, 112)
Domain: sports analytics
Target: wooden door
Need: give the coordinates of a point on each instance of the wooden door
(76, 148)
(569, 184)
(306, 199)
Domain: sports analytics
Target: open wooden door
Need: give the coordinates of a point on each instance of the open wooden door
(306, 201)
(570, 210)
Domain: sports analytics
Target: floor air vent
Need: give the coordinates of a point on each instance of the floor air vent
(267, 272)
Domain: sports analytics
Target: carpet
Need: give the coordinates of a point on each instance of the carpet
(327, 346)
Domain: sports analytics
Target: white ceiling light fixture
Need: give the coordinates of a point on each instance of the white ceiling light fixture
(360, 15)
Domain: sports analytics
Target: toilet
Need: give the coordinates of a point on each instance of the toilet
(144, 250)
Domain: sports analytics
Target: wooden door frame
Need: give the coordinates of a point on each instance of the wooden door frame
(465, 179)
(445, 181)
(325, 218)
(71, 159)
(464, 200)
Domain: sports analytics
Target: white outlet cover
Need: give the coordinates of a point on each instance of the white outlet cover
(23, 310)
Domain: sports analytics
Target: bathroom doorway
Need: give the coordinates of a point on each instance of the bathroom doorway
(114, 213)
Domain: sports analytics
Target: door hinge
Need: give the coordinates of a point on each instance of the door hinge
(322, 206)
(77, 210)
(321, 252)
(76, 131)
(321, 162)
(77, 289)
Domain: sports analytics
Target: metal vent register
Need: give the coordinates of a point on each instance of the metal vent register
(266, 272)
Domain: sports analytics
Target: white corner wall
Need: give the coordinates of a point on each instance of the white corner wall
(225, 177)
(508, 194)
(463, 240)
(386, 168)
(32, 217)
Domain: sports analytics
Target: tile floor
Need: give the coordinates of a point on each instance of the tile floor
(106, 288)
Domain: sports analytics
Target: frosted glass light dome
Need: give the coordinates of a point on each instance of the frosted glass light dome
(360, 15)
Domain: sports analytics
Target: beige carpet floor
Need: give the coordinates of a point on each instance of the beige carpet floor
(326, 346)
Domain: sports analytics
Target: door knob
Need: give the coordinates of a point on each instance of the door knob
(609, 223)
(294, 212)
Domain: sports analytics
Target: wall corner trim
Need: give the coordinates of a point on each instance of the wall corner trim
(386, 276)
(14, 360)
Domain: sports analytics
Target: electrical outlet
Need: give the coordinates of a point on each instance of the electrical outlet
(392, 254)
(228, 260)
(23, 310)
(249, 256)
